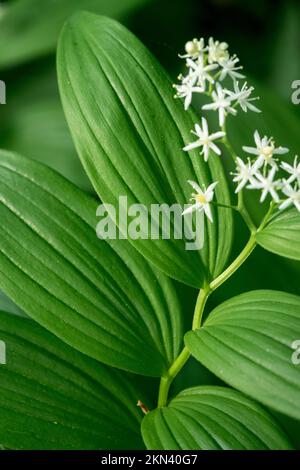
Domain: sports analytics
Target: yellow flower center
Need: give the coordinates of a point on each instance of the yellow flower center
(268, 151)
(192, 48)
(201, 198)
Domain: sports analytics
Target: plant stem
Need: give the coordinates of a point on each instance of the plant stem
(267, 217)
(247, 250)
(178, 364)
(200, 305)
(167, 379)
(204, 293)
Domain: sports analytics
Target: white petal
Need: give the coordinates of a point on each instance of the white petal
(274, 194)
(195, 186)
(241, 185)
(209, 106)
(217, 135)
(297, 205)
(286, 167)
(198, 130)
(221, 117)
(207, 211)
(192, 146)
(263, 195)
(251, 150)
(212, 186)
(204, 126)
(258, 164)
(285, 204)
(190, 209)
(253, 108)
(280, 151)
(215, 148)
(187, 101)
(257, 138)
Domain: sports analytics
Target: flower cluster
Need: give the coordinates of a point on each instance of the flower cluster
(260, 172)
(210, 67)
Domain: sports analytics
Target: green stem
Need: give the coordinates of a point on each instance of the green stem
(266, 217)
(200, 305)
(204, 293)
(180, 361)
(239, 260)
(167, 379)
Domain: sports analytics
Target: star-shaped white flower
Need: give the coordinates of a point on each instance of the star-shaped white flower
(220, 103)
(293, 197)
(242, 96)
(244, 174)
(199, 72)
(265, 150)
(205, 140)
(229, 68)
(217, 51)
(267, 184)
(186, 90)
(293, 170)
(193, 49)
(202, 199)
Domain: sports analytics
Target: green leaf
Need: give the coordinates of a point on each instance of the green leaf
(282, 235)
(30, 28)
(247, 342)
(32, 123)
(53, 397)
(7, 305)
(129, 132)
(101, 298)
(212, 418)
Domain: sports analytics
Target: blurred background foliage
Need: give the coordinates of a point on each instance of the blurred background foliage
(265, 34)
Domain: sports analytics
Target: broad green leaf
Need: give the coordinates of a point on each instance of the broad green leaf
(101, 298)
(212, 418)
(7, 305)
(32, 123)
(129, 132)
(53, 397)
(30, 28)
(282, 235)
(248, 342)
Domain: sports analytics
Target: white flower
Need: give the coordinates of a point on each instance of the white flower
(199, 72)
(217, 51)
(242, 96)
(220, 103)
(194, 49)
(186, 90)
(265, 149)
(293, 197)
(205, 140)
(267, 184)
(202, 199)
(229, 68)
(244, 174)
(294, 170)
